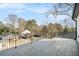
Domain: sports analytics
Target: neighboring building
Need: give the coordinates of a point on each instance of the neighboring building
(25, 34)
(76, 18)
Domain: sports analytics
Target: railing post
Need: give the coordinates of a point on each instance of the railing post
(15, 42)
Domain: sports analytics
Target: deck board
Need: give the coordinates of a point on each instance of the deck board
(45, 47)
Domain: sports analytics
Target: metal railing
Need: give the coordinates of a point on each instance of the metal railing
(8, 43)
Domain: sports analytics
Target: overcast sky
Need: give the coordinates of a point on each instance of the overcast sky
(31, 11)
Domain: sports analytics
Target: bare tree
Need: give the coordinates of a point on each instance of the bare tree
(22, 24)
(60, 9)
(11, 20)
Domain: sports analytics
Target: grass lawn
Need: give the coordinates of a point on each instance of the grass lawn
(7, 45)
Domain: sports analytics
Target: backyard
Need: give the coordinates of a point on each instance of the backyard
(47, 30)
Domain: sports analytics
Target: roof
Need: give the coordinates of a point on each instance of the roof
(76, 11)
(26, 32)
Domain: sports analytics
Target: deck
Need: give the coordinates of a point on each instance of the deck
(45, 47)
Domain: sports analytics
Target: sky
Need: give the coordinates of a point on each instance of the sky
(32, 11)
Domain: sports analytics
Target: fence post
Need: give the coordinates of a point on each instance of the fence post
(15, 41)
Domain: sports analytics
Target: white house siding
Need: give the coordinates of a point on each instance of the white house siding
(78, 30)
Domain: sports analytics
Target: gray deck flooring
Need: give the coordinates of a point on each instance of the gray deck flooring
(45, 47)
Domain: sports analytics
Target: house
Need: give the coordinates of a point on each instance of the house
(25, 34)
(75, 17)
